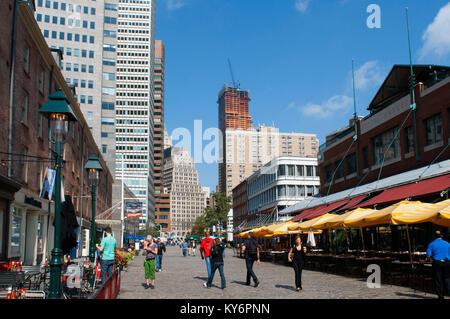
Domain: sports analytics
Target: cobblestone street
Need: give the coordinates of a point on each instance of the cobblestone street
(183, 278)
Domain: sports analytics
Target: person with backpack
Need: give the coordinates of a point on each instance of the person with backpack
(161, 249)
(251, 253)
(216, 263)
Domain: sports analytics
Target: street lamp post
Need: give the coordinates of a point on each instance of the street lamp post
(58, 112)
(93, 167)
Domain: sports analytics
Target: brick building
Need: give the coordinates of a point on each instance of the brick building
(29, 70)
(388, 110)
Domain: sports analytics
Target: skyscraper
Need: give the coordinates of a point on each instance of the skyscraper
(134, 100)
(247, 151)
(85, 32)
(162, 197)
(233, 109)
(187, 198)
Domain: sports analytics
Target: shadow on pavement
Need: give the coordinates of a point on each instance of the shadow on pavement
(413, 295)
(286, 287)
(242, 283)
(200, 278)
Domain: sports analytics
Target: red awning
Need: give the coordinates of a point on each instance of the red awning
(353, 202)
(427, 186)
(305, 212)
(326, 209)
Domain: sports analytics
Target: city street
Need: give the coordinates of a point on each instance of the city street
(183, 278)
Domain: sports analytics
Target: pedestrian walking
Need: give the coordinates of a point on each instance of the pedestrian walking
(151, 249)
(296, 256)
(205, 251)
(184, 247)
(108, 248)
(439, 252)
(217, 263)
(159, 256)
(194, 245)
(251, 253)
(189, 247)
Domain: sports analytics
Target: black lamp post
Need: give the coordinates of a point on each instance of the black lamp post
(57, 110)
(93, 167)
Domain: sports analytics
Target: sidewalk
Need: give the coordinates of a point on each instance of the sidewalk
(183, 278)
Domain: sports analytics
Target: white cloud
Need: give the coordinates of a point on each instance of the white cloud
(368, 75)
(328, 107)
(436, 37)
(302, 5)
(175, 4)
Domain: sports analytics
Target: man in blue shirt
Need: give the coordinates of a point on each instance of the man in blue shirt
(108, 248)
(439, 251)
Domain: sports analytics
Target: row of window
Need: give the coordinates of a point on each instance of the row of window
(69, 36)
(65, 7)
(433, 134)
(78, 67)
(62, 21)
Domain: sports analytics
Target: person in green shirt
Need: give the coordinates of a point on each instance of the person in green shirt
(107, 247)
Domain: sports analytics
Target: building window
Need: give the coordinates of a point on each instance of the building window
(90, 84)
(25, 106)
(104, 148)
(89, 116)
(40, 125)
(109, 34)
(24, 165)
(433, 129)
(309, 170)
(365, 153)
(380, 143)
(16, 231)
(339, 171)
(329, 173)
(90, 99)
(409, 140)
(26, 58)
(109, 91)
(351, 163)
(281, 170)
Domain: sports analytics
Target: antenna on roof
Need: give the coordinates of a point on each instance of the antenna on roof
(235, 84)
(355, 118)
(413, 105)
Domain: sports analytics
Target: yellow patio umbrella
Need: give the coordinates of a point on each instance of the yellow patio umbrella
(378, 217)
(443, 217)
(260, 231)
(311, 224)
(339, 220)
(418, 213)
(277, 229)
(356, 215)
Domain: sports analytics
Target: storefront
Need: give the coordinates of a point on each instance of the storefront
(8, 188)
(29, 222)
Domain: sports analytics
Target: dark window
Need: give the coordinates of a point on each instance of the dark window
(381, 142)
(365, 154)
(329, 173)
(339, 170)
(351, 163)
(409, 140)
(433, 129)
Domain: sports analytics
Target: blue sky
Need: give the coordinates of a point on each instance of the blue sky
(294, 56)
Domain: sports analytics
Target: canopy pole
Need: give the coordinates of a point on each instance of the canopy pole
(362, 238)
(348, 239)
(330, 234)
(409, 245)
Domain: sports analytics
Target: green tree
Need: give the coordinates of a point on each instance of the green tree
(149, 230)
(218, 213)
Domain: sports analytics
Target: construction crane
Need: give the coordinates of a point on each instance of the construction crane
(235, 84)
